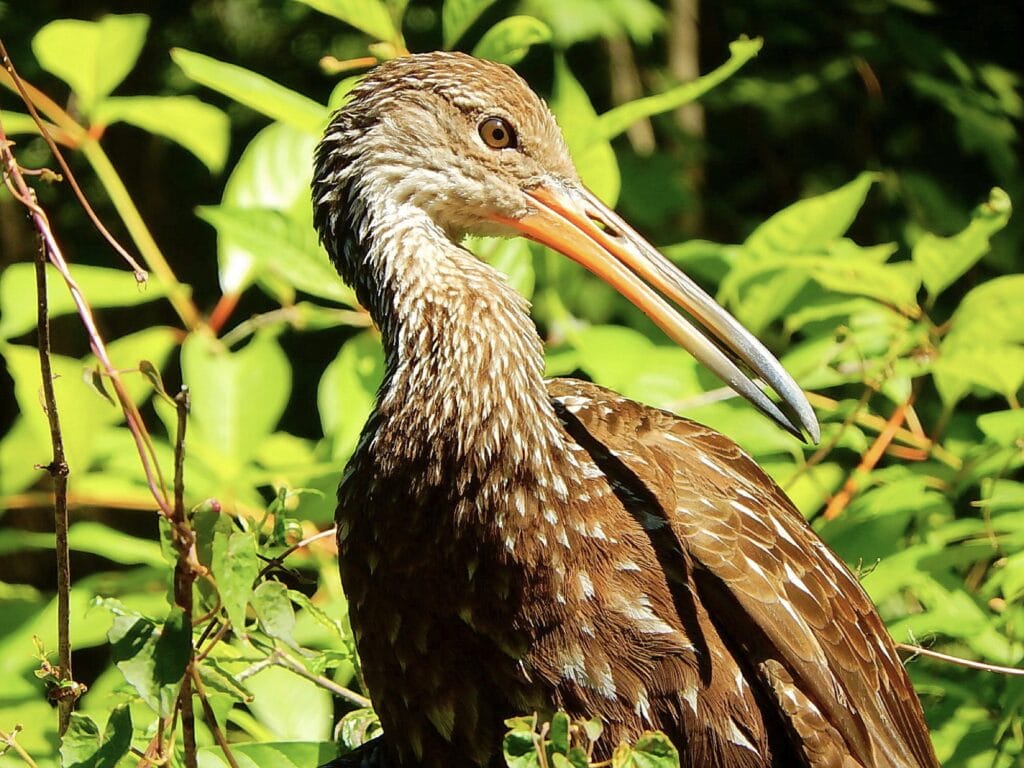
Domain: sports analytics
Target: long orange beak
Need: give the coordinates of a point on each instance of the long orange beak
(571, 220)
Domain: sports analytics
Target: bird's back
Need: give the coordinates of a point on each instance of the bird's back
(764, 601)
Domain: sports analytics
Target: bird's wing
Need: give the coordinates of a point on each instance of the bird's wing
(776, 591)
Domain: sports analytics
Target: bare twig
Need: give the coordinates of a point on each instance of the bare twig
(286, 661)
(184, 575)
(277, 562)
(917, 650)
(58, 469)
(20, 190)
(871, 457)
(10, 741)
(211, 720)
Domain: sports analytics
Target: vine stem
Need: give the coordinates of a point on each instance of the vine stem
(58, 467)
(184, 575)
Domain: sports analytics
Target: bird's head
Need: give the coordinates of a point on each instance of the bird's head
(469, 144)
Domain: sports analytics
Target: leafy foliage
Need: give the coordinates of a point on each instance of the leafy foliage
(892, 297)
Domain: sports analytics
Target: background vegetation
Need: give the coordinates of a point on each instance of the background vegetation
(847, 194)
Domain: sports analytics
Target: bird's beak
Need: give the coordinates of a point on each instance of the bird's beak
(570, 219)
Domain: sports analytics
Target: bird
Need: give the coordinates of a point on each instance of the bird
(510, 544)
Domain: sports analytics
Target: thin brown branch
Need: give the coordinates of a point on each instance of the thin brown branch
(184, 575)
(917, 650)
(140, 435)
(58, 470)
(277, 562)
(140, 273)
(286, 661)
(870, 459)
(211, 720)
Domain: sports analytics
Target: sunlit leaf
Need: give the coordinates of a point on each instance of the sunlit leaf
(347, 391)
(265, 176)
(943, 259)
(510, 39)
(200, 128)
(810, 224)
(512, 257)
(369, 16)
(254, 91)
(594, 158)
(274, 611)
(93, 57)
(457, 16)
(286, 754)
(103, 286)
(235, 567)
(237, 397)
(290, 706)
(652, 750)
(619, 119)
(281, 245)
(1004, 427)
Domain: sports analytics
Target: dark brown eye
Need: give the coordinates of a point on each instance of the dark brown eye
(497, 133)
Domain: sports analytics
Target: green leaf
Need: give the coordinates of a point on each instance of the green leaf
(93, 57)
(116, 546)
(993, 311)
(652, 750)
(237, 397)
(290, 706)
(594, 157)
(274, 610)
(994, 367)
(1003, 427)
(511, 256)
(254, 91)
(369, 16)
(894, 284)
(101, 286)
(151, 657)
(285, 754)
(201, 128)
(509, 40)
(457, 16)
(235, 568)
(943, 259)
(358, 727)
(83, 413)
(559, 732)
(82, 747)
(347, 391)
(810, 224)
(281, 245)
(273, 172)
(619, 119)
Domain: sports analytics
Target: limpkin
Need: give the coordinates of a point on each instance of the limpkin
(512, 545)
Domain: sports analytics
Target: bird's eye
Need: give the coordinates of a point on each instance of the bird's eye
(498, 133)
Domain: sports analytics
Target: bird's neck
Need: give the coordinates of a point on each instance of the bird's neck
(464, 399)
